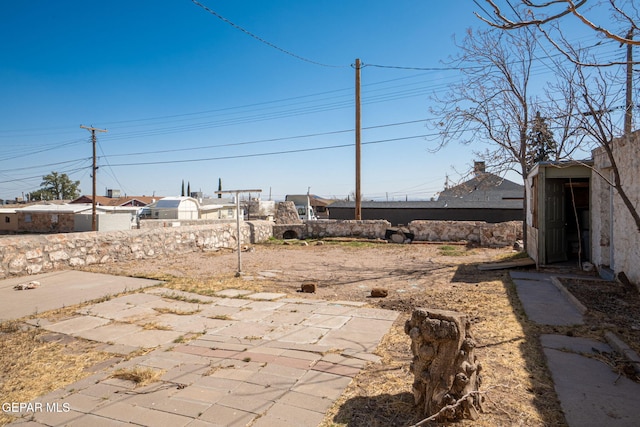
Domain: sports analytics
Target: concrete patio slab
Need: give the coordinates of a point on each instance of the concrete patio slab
(62, 289)
(257, 361)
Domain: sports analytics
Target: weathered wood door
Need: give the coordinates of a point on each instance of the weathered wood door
(555, 236)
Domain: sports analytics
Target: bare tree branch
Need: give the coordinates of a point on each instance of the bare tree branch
(572, 8)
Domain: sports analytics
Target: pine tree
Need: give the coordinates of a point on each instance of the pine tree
(541, 146)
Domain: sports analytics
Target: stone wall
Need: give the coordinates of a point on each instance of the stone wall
(482, 233)
(34, 254)
(478, 232)
(369, 229)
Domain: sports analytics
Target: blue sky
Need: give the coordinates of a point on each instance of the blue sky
(185, 96)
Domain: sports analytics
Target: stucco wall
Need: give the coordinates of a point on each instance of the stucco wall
(626, 237)
(33, 254)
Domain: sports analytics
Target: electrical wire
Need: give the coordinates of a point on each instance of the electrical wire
(274, 153)
(261, 40)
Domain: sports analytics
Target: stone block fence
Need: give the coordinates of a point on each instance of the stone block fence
(475, 232)
(32, 254)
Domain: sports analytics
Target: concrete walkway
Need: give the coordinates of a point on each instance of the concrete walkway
(590, 393)
(61, 289)
(229, 360)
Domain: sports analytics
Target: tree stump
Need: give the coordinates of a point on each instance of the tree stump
(445, 369)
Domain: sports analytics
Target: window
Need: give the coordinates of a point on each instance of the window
(27, 218)
(7, 219)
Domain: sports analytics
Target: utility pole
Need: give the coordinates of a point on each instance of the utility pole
(628, 108)
(358, 207)
(93, 173)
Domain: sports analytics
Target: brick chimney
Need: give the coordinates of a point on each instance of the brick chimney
(478, 168)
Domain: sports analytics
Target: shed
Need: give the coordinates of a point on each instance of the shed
(558, 214)
(175, 208)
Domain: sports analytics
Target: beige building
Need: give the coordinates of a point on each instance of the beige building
(616, 238)
(8, 220)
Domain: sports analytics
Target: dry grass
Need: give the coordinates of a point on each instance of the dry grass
(139, 375)
(176, 311)
(516, 386)
(31, 367)
(183, 298)
(156, 326)
(207, 286)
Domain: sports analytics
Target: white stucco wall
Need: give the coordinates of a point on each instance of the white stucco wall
(614, 217)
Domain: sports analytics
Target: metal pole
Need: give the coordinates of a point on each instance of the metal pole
(237, 193)
(358, 206)
(239, 272)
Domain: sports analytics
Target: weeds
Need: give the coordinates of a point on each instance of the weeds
(177, 311)
(138, 375)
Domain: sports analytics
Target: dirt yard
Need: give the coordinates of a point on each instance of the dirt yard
(516, 386)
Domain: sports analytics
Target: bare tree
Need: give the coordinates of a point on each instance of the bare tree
(590, 14)
(492, 103)
(596, 93)
(599, 103)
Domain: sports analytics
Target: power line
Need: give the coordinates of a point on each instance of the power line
(234, 144)
(274, 153)
(261, 40)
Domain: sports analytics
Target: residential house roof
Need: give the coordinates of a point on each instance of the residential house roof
(117, 201)
(484, 187)
(56, 209)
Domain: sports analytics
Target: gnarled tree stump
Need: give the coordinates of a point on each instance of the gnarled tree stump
(445, 369)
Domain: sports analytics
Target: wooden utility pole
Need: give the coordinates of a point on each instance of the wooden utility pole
(93, 173)
(358, 208)
(628, 108)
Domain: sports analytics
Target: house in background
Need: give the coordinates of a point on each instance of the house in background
(484, 187)
(49, 218)
(214, 208)
(132, 201)
(485, 197)
(8, 220)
